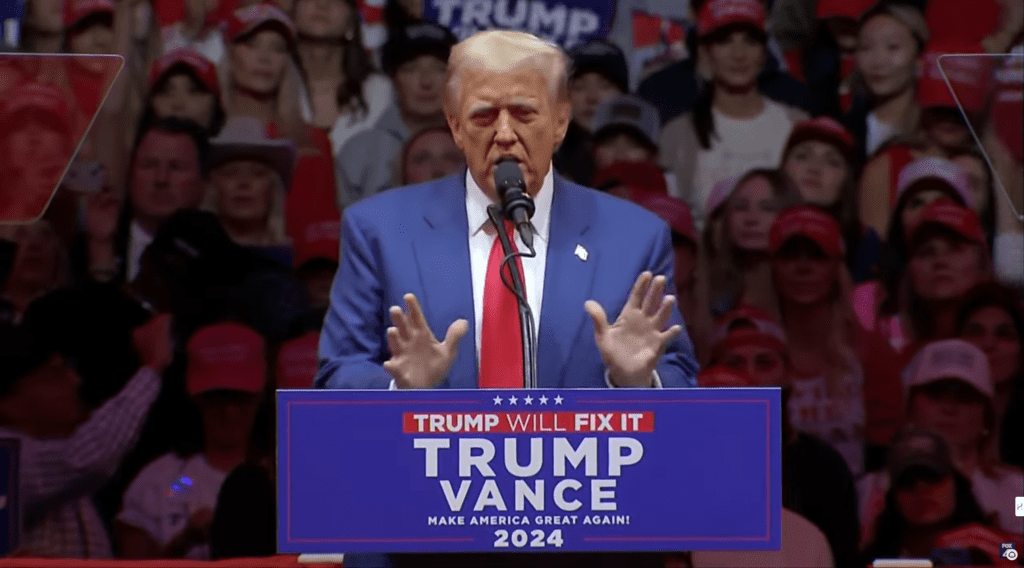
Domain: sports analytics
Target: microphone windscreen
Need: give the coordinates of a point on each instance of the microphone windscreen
(507, 175)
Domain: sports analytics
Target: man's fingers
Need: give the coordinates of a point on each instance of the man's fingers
(636, 296)
(669, 335)
(652, 301)
(598, 316)
(664, 312)
(400, 321)
(394, 342)
(391, 368)
(415, 315)
(456, 331)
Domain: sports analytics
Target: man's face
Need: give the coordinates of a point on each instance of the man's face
(39, 154)
(587, 91)
(166, 175)
(508, 115)
(49, 397)
(244, 190)
(419, 86)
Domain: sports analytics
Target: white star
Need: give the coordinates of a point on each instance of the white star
(512, 400)
(558, 399)
(528, 400)
(497, 400)
(543, 399)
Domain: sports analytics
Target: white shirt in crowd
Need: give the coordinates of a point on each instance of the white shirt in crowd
(803, 544)
(836, 420)
(740, 145)
(167, 492)
(138, 240)
(878, 133)
(211, 45)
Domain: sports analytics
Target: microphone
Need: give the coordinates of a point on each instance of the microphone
(516, 204)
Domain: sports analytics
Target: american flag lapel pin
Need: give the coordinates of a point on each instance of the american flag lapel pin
(581, 253)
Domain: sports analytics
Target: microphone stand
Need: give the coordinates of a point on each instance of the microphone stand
(526, 323)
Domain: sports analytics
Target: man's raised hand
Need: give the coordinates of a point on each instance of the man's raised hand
(418, 360)
(633, 345)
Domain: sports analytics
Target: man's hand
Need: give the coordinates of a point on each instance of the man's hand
(982, 538)
(633, 345)
(418, 360)
(153, 343)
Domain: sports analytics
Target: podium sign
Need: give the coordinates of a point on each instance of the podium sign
(538, 470)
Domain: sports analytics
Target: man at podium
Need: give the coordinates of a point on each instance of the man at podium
(419, 269)
(425, 258)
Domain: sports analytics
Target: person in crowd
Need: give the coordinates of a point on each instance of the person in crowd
(39, 266)
(813, 290)
(199, 26)
(735, 267)
(37, 141)
(981, 184)
(890, 43)
(346, 94)
(820, 157)
(626, 129)
(928, 504)
(66, 454)
(816, 482)
(168, 508)
(921, 183)
(626, 179)
(416, 59)
(599, 72)
(249, 171)
(42, 26)
(733, 127)
(316, 262)
(992, 319)
(183, 84)
(676, 88)
(261, 79)
(244, 523)
(944, 127)
(168, 173)
(297, 361)
(428, 155)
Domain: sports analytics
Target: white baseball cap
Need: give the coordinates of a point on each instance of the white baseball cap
(940, 169)
(950, 359)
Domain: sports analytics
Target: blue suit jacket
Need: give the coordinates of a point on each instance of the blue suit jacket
(416, 239)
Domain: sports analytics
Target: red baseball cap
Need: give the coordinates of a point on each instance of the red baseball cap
(33, 95)
(968, 71)
(203, 68)
(318, 240)
(638, 176)
(672, 210)
(823, 129)
(722, 376)
(226, 356)
(945, 213)
(246, 20)
(297, 362)
(76, 10)
(747, 325)
(851, 9)
(715, 14)
(811, 222)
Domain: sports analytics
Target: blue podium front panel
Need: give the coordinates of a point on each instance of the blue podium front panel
(538, 470)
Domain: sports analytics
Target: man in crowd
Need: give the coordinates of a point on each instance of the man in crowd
(65, 456)
(416, 59)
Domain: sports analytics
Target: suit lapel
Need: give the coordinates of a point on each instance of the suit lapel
(442, 258)
(568, 282)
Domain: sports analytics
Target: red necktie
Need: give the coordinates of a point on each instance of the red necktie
(501, 345)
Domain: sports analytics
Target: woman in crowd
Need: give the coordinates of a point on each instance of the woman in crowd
(813, 291)
(39, 265)
(821, 157)
(927, 504)
(733, 127)
(345, 94)
(430, 154)
(260, 79)
(168, 508)
(183, 84)
(992, 319)
(891, 40)
(249, 171)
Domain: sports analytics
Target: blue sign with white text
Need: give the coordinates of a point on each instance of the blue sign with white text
(538, 470)
(565, 22)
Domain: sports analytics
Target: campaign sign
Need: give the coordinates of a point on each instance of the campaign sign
(565, 22)
(536, 470)
(10, 512)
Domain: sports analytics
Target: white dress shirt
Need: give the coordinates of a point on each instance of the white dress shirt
(138, 240)
(481, 239)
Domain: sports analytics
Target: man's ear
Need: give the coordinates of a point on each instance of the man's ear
(563, 114)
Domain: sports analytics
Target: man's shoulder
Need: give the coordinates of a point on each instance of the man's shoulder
(613, 213)
(407, 201)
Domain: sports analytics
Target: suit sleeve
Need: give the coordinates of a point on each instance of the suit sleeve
(352, 344)
(678, 367)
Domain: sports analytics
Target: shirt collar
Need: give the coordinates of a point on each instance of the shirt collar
(477, 202)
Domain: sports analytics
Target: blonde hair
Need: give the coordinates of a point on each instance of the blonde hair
(274, 224)
(909, 16)
(504, 51)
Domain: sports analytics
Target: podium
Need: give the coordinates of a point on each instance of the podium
(529, 470)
